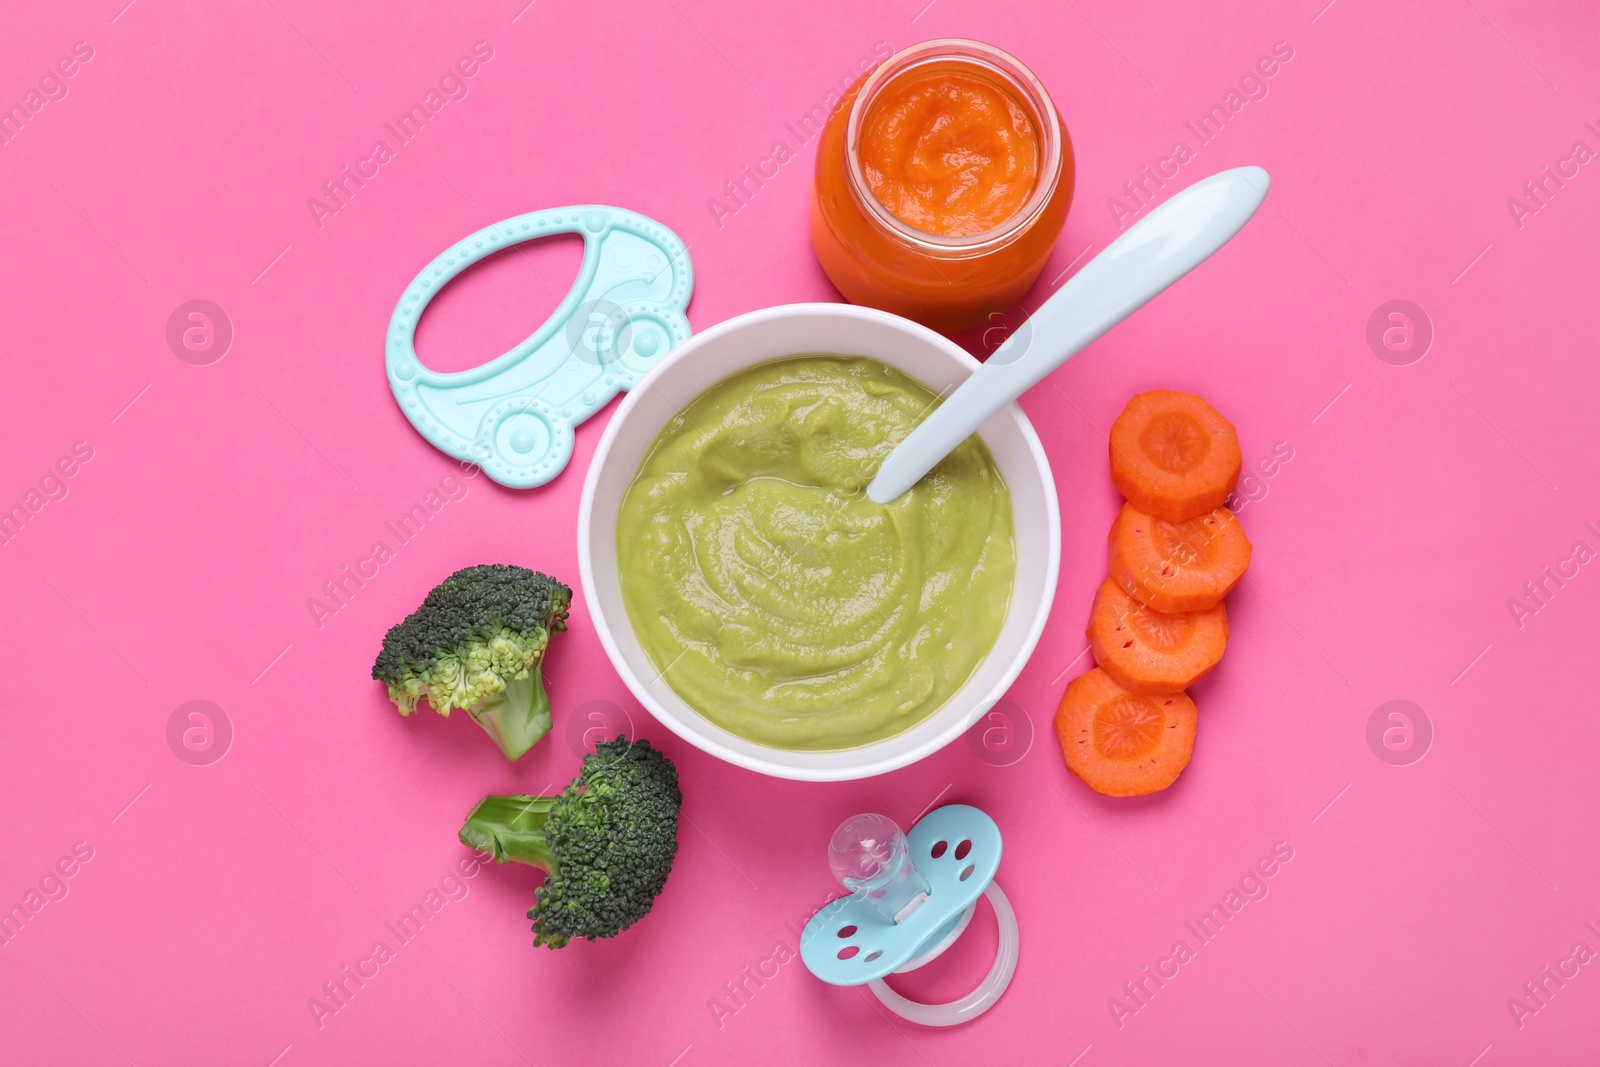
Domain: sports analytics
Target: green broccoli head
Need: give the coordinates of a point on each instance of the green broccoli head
(476, 643)
(606, 842)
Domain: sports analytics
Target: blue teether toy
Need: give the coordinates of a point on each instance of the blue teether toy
(911, 897)
(514, 415)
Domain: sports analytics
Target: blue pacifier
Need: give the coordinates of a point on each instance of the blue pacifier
(911, 898)
(514, 415)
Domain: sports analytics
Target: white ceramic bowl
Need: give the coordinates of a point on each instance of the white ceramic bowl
(775, 333)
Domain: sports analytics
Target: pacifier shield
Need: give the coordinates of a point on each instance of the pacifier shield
(514, 415)
(956, 850)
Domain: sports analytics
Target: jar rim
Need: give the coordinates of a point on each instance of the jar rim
(1008, 69)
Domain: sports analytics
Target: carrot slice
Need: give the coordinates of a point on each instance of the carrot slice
(1146, 651)
(1173, 456)
(1124, 744)
(1176, 567)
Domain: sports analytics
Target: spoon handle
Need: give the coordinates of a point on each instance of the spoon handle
(1161, 248)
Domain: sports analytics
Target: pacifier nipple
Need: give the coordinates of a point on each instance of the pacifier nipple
(869, 856)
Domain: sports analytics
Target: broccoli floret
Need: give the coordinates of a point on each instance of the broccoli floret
(476, 643)
(606, 843)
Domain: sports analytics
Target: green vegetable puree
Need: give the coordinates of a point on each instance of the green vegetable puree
(773, 596)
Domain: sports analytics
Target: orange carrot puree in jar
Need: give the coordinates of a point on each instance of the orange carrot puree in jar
(943, 180)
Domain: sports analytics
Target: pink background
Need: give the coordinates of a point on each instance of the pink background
(220, 898)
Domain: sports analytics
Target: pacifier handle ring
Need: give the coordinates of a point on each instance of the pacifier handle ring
(980, 999)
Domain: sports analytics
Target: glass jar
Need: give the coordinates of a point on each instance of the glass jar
(948, 283)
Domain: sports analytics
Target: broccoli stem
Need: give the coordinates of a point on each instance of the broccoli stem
(518, 717)
(511, 829)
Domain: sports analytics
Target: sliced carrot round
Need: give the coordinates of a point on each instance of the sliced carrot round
(1173, 456)
(1124, 744)
(1147, 651)
(1178, 566)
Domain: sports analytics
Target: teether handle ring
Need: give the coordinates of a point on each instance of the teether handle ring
(980, 999)
(497, 415)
